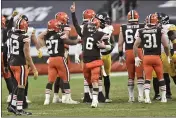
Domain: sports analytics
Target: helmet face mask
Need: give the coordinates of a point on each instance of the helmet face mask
(163, 18)
(104, 19)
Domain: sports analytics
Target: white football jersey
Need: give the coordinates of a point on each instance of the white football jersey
(165, 31)
(107, 30)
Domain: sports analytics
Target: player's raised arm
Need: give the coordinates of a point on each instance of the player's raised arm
(74, 19)
(28, 57)
(66, 39)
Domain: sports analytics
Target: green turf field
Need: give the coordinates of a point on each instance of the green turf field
(119, 106)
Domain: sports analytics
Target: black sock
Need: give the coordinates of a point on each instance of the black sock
(174, 79)
(20, 98)
(57, 85)
(61, 84)
(26, 88)
(167, 81)
(107, 86)
(9, 84)
(66, 87)
(156, 86)
(49, 86)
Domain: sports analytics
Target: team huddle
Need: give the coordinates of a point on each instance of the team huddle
(155, 39)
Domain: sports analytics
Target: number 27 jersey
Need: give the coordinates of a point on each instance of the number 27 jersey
(128, 31)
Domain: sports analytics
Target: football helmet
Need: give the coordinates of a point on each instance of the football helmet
(88, 14)
(93, 25)
(54, 25)
(62, 17)
(3, 21)
(152, 19)
(104, 19)
(162, 18)
(24, 17)
(133, 16)
(21, 25)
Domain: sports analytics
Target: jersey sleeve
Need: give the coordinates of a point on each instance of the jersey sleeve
(26, 39)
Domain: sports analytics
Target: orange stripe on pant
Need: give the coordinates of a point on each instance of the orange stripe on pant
(5, 74)
(57, 67)
(151, 62)
(130, 63)
(20, 73)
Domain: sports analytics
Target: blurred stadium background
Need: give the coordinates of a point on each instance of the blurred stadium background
(40, 11)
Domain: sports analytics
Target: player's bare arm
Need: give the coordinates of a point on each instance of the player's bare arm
(136, 45)
(165, 44)
(120, 44)
(68, 41)
(40, 39)
(28, 57)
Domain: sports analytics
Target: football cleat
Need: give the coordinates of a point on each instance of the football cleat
(11, 109)
(94, 103)
(68, 100)
(56, 99)
(163, 100)
(131, 99)
(157, 97)
(108, 100)
(9, 98)
(22, 112)
(86, 98)
(27, 100)
(140, 99)
(46, 102)
(147, 101)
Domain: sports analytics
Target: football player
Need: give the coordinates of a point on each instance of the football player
(4, 49)
(106, 27)
(93, 41)
(169, 68)
(127, 36)
(151, 37)
(88, 14)
(64, 19)
(54, 39)
(19, 59)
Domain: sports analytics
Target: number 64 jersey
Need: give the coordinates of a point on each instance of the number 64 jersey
(128, 31)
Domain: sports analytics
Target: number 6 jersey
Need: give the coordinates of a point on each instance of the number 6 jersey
(17, 40)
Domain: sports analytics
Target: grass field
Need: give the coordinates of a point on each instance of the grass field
(119, 106)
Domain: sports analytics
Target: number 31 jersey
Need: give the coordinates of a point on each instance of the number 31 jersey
(151, 40)
(128, 31)
(16, 45)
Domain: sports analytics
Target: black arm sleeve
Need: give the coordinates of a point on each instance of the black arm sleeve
(5, 50)
(76, 25)
(10, 24)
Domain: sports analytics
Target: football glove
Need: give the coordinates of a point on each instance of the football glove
(40, 53)
(121, 60)
(35, 72)
(137, 61)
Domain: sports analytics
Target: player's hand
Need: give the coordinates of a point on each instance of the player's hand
(64, 36)
(121, 60)
(77, 60)
(35, 72)
(15, 13)
(6, 69)
(137, 61)
(101, 45)
(40, 54)
(72, 8)
(174, 57)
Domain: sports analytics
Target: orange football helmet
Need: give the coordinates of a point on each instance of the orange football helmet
(21, 25)
(54, 25)
(88, 14)
(152, 19)
(3, 21)
(133, 16)
(62, 17)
